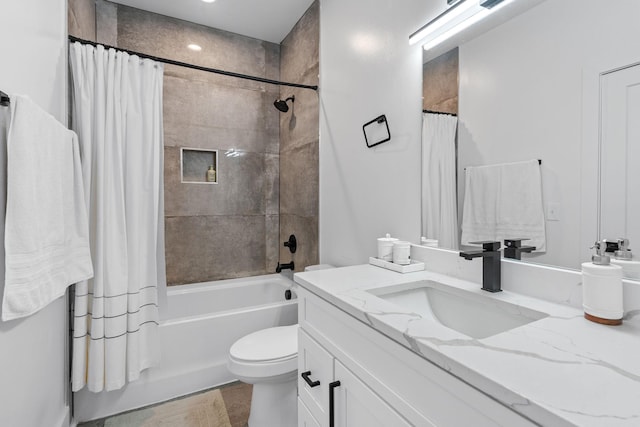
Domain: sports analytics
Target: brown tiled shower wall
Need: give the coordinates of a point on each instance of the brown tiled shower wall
(299, 133)
(230, 229)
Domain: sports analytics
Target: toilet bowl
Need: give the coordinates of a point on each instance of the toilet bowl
(268, 359)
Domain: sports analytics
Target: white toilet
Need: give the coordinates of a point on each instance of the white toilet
(268, 359)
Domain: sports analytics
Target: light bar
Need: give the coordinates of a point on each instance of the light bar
(454, 20)
(441, 20)
(477, 17)
(490, 3)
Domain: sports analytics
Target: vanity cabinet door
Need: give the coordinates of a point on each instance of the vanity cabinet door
(315, 372)
(305, 419)
(355, 404)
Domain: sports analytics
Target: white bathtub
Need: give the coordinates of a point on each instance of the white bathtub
(203, 321)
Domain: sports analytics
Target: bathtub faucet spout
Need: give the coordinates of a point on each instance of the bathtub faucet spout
(281, 267)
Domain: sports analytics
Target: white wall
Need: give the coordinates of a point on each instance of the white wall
(33, 361)
(521, 97)
(367, 68)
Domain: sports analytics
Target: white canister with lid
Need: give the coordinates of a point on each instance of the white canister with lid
(401, 252)
(385, 247)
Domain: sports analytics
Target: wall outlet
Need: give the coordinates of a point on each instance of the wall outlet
(553, 212)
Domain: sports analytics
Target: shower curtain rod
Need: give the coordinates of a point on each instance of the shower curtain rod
(195, 67)
(439, 112)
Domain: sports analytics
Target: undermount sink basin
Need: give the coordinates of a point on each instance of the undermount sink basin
(471, 314)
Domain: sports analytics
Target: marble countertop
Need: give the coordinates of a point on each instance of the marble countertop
(562, 370)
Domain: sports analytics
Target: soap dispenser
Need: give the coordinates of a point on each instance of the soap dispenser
(622, 256)
(602, 288)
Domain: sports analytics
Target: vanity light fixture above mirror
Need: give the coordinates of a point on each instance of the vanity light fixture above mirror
(456, 18)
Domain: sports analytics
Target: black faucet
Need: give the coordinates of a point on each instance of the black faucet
(513, 248)
(281, 267)
(490, 254)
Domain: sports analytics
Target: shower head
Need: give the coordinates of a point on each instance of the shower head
(282, 105)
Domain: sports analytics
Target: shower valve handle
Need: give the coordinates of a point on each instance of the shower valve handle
(292, 244)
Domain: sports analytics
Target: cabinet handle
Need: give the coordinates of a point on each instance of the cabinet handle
(332, 386)
(305, 376)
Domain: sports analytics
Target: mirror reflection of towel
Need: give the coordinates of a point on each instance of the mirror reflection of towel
(504, 201)
(46, 230)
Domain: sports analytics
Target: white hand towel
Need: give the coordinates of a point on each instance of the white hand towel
(46, 229)
(504, 202)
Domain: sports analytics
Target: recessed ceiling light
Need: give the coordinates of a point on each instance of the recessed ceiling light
(208, 1)
(195, 47)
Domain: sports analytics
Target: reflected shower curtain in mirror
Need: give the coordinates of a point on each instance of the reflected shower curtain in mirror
(117, 114)
(439, 206)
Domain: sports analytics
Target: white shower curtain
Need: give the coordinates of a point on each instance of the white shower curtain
(439, 205)
(117, 114)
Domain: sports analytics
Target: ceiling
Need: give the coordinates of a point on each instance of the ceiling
(269, 20)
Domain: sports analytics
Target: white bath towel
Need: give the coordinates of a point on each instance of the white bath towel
(504, 201)
(46, 232)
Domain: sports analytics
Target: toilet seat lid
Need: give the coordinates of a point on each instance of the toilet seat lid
(267, 345)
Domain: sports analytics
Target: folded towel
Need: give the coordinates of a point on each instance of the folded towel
(46, 229)
(504, 202)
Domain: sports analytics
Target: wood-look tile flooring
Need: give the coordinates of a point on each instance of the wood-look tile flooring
(227, 406)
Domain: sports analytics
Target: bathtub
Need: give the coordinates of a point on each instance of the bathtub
(201, 322)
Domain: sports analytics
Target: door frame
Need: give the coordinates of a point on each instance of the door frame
(590, 149)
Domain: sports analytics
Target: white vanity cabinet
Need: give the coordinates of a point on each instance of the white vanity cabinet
(332, 385)
(375, 381)
(305, 419)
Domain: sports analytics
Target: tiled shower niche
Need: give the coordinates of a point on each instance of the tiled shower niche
(198, 166)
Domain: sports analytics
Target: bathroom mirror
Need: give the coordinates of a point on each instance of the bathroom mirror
(530, 88)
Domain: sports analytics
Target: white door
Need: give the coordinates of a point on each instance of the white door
(356, 405)
(620, 155)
